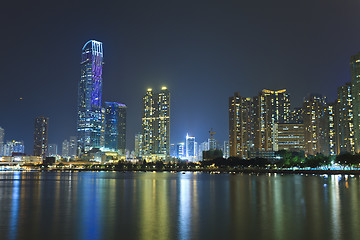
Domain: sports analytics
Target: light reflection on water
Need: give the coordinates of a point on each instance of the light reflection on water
(112, 205)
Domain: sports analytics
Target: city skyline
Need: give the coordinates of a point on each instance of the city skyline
(202, 68)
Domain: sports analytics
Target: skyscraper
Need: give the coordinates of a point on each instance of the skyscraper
(156, 124)
(346, 119)
(313, 114)
(115, 126)
(41, 136)
(89, 123)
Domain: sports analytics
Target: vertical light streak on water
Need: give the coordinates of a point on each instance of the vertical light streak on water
(89, 208)
(184, 208)
(335, 202)
(15, 206)
(278, 208)
(354, 203)
(194, 210)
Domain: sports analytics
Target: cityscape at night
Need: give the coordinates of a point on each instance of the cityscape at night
(180, 120)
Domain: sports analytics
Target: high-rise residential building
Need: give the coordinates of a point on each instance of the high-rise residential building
(313, 115)
(240, 126)
(115, 126)
(156, 125)
(330, 125)
(138, 145)
(41, 136)
(190, 149)
(355, 80)
(270, 107)
(52, 150)
(2, 136)
(13, 146)
(89, 124)
(72, 147)
(346, 133)
(65, 149)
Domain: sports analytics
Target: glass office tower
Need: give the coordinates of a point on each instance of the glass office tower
(89, 97)
(115, 126)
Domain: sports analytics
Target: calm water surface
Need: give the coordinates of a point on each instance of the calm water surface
(115, 205)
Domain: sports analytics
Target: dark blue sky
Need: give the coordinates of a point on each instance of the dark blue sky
(203, 51)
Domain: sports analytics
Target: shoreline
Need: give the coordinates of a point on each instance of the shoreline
(211, 171)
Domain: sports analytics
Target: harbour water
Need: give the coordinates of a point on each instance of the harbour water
(164, 205)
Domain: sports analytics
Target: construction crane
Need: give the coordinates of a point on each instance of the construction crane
(212, 139)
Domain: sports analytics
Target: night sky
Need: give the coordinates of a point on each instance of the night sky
(203, 51)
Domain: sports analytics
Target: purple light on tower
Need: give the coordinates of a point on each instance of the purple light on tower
(89, 97)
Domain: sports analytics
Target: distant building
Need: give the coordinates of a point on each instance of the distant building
(52, 150)
(2, 136)
(115, 126)
(65, 149)
(12, 147)
(190, 148)
(41, 136)
(173, 150)
(138, 145)
(156, 125)
(73, 147)
(180, 150)
(90, 117)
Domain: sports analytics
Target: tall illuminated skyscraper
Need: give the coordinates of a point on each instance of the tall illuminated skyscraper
(240, 126)
(355, 80)
(41, 136)
(89, 123)
(115, 126)
(156, 125)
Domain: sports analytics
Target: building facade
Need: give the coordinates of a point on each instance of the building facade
(89, 124)
(290, 137)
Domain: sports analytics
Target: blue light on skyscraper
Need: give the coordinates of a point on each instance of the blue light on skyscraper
(89, 97)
